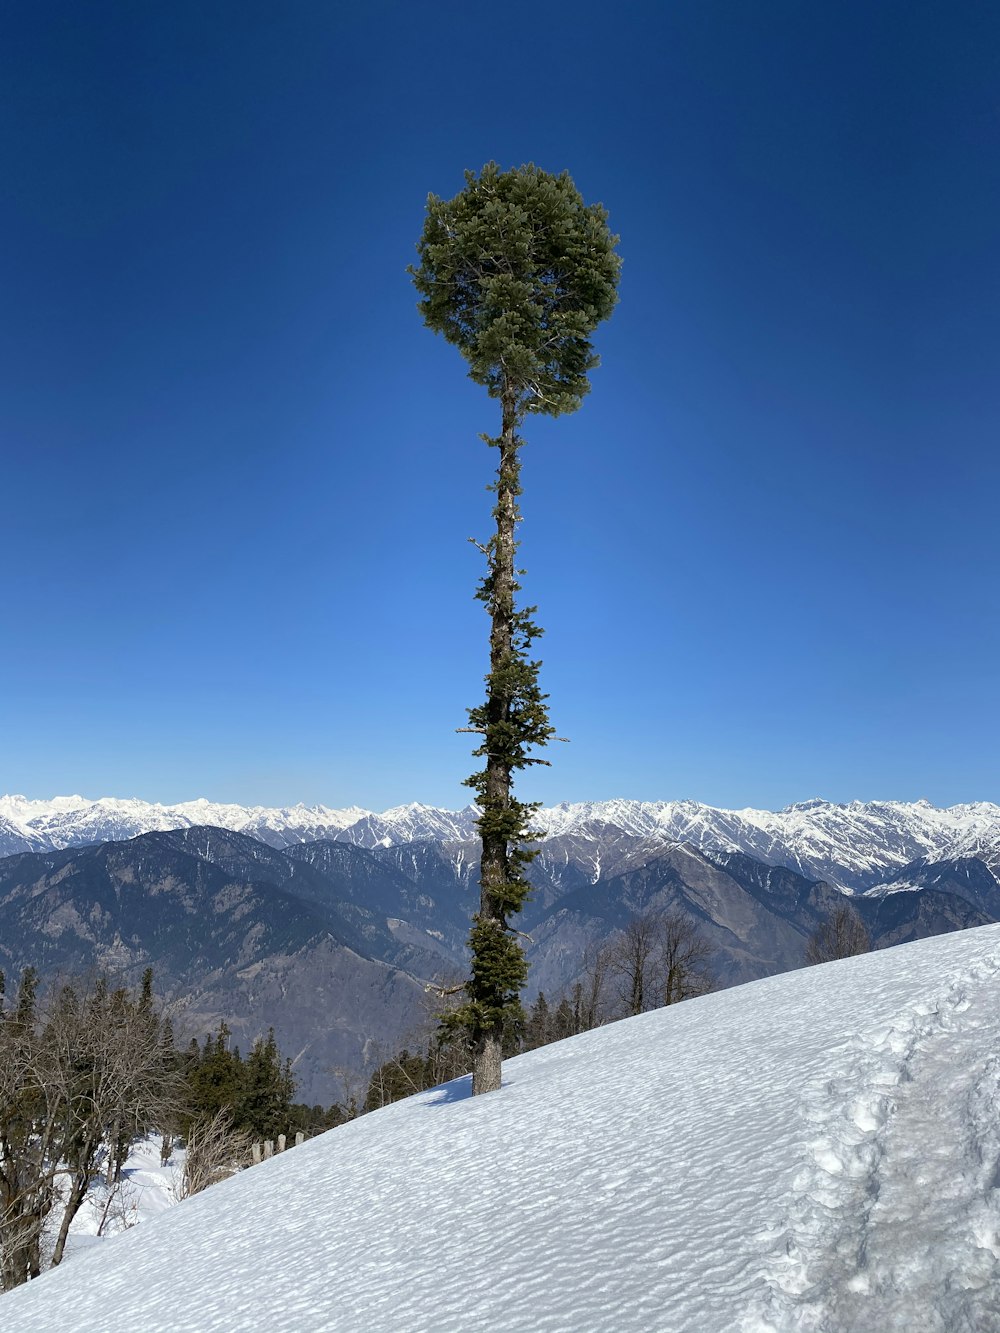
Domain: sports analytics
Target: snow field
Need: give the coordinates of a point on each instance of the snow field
(817, 1151)
(145, 1190)
(895, 1216)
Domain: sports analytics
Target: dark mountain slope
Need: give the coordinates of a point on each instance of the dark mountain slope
(249, 950)
(967, 877)
(757, 918)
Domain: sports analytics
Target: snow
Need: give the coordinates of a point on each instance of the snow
(854, 845)
(813, 1152)
(145, 1190)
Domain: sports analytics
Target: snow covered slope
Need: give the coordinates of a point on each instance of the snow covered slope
(855, 845)
(818, 1151)
(72, 821)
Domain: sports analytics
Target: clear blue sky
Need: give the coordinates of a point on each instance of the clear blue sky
(239, 474)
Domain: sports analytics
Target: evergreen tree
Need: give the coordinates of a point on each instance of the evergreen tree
(215, 1078)
(564, 1022)
(517, 272)
(267, 1088)
(536, 1029)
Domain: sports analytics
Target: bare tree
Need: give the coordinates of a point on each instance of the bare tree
(841, 935)
(215, 1151)
(633, 957)
(658, 959)
(76, 1082)
(590, 999)
(683, 964)
(431, 1054)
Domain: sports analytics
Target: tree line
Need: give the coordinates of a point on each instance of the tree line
(658, 958)
(96, 1065)
(90, 1067)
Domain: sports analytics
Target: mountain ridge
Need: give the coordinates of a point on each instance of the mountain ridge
(333, 944)
(854, 845)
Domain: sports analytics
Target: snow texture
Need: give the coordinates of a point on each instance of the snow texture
(813, 1153)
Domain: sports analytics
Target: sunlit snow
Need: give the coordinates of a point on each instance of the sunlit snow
(816, 1151)
(854, 845)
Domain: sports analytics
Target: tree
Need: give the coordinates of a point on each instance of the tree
(538, 1025)
(589, 1004)
(268, 1087)
(256, 1093)
(632, 960)
(657, 959)
(78, 1079)
(682, 966)
(517, 272)
(396, 1078)
(214, 1151)
(841, 935)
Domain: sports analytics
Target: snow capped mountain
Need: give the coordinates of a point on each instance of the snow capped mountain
(72, 821)
(411, 823)
(816, 1151)
(855, 845)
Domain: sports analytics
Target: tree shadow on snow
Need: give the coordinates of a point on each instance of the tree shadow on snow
(458, 1090)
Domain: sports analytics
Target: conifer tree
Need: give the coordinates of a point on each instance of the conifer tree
(267, 1091)
(536, 1029)
(517, 272)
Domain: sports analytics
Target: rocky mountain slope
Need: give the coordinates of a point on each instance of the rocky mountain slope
(233, 930)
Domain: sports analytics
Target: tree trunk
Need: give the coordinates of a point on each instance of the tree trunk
(77, 1194)
(23, 1209)
(486, 1063)
(495, 863)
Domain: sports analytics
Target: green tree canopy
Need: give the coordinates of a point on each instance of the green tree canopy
(517, 272)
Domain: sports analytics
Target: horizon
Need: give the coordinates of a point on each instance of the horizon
(802, 804)
(242, 476)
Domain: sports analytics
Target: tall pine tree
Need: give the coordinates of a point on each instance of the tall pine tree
(517, 272)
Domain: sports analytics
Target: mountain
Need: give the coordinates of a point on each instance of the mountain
(966, 877)
(333, 943)
(814, 1151)
(73, 821)
(332, 940)
(233, 930)
(756, 918)
(853, 846)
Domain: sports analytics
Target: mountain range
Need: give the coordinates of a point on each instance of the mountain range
(328, 925)
(854, 846)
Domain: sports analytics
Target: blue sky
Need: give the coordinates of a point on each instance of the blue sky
(240, 475)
